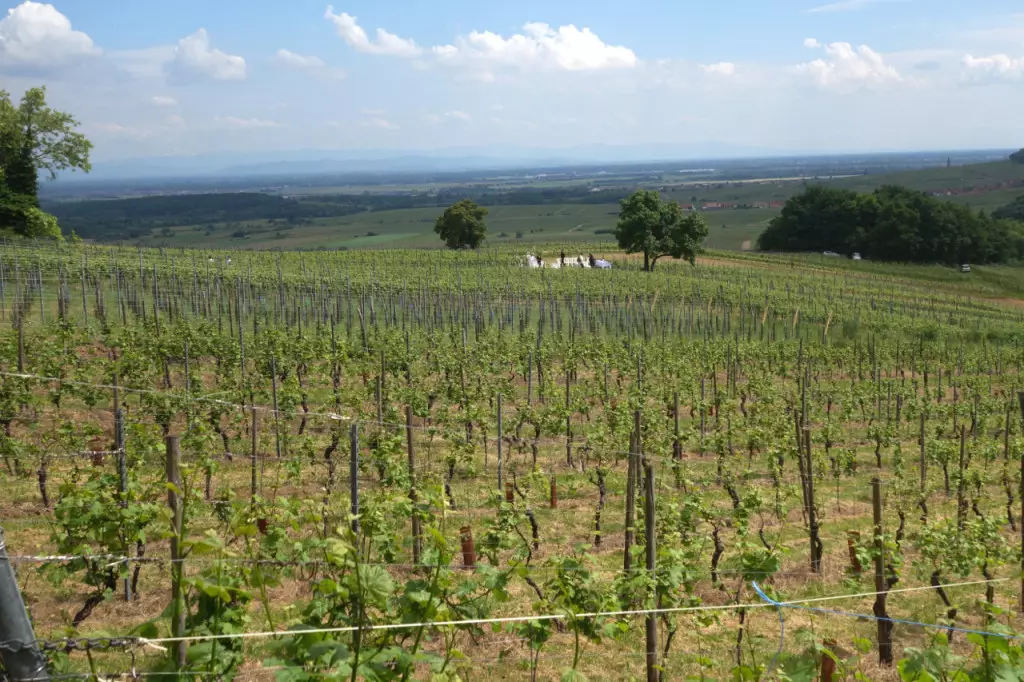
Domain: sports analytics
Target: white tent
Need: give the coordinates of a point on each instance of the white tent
(534, 262)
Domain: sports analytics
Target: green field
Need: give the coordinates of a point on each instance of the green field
(414, 228)
(730, 229)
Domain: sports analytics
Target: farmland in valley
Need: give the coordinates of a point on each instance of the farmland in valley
(737, 207)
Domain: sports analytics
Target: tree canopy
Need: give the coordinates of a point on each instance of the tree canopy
(462, 225)
(1012, 211)
(34, 140)
(893, 224)
(1017, 157)
(654, 227)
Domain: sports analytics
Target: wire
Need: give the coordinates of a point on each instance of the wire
(551, 616)
(287, 563)
(799, 605)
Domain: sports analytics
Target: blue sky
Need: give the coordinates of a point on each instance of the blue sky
(196, 76)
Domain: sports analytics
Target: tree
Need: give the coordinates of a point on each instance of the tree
(1017, 157)
(657, 228)
(819, 219)
(462, 225)
(893, 223)
(1012, 211)
(34, 139)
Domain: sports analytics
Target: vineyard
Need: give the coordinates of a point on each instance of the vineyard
(423, 465)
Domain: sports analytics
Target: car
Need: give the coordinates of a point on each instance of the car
(830, 253)
(856, 256)
(966, 267)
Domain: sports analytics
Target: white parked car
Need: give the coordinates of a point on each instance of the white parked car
(856, 256)
(965, 267)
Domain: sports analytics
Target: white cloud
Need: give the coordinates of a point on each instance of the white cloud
(538, 47)
(848, 67)
(455, 115)
(384, 44)
(1009, 32)
(113, 128)
(994, 68)
(308, 63)
(36, 37)
(116, 130)
(162, 101)
(846, 6)
(194, 56)
(247, 123)
(812, 43)
(150, 62)
(720, 69)
(297, 61)
(378, 122)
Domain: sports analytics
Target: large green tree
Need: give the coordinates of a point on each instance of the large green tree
(462, 225)
(891, 224)
(1017, 157)
(654, 227)
(1012, 211)
(34, 140)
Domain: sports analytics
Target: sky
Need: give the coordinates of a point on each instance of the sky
(148, 78)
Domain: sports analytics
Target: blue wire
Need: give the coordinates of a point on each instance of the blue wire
(782, 628)
(949, 628)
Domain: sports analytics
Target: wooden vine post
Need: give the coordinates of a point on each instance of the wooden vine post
(173, 446)
(923, 466)
(353, 474)
(122, 470)
(568, 420)
(677, 445)
(881, 586)
(812, 513)
(253, 459)
(1020, 399)
(807, 476)
(468, 548)
(650, 532)
(631, 480)
(417, 539)
(501, 435)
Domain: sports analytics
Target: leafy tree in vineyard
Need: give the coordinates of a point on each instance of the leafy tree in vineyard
(462, 225)
(34, 139)
(654, 227)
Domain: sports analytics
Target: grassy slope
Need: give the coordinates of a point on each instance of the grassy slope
(730, 229)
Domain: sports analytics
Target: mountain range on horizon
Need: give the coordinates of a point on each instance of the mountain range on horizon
(456, 159)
